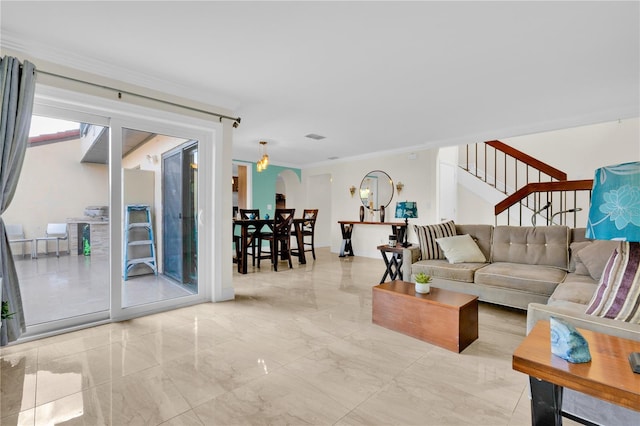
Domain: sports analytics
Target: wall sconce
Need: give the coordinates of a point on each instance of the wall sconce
(399, 187)
(352, 190)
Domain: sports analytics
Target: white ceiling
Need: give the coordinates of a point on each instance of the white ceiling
(370, 76)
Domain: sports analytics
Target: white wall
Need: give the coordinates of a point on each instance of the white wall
(318, 196)
(54, 185)
(579, 151)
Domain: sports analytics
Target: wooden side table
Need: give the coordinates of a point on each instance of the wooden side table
(607, 376)
(393, 264)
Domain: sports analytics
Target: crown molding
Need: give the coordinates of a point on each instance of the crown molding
(72, 60)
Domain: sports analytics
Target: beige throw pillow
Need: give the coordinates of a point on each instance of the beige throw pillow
(595, 256)
(461, 249)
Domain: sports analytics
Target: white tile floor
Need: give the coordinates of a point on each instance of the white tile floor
(294, 347)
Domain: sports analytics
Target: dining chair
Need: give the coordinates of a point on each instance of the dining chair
(253, 249)
(308, 232)
(280, 238)
(55, 232)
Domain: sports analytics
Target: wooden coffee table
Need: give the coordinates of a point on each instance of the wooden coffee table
(441, 317)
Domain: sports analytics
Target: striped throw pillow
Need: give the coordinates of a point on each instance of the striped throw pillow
(427, 236)
(618, 293)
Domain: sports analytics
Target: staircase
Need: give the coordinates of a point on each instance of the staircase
(536, 193)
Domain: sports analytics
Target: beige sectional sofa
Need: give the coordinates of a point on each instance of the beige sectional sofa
(524, 264)
(549, 271)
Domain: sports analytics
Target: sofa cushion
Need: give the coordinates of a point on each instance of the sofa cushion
(541, 245)
(575, 265)
(481, 234)
(575, 288)
(579, 235)
(427, 235)
(594, 256)
(461, 249)
(450, 271)
(618, 293)
(537, 279)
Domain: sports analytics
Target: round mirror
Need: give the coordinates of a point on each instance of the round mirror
(376, 190)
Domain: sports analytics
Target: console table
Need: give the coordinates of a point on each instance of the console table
(607, 376)
(346, 226)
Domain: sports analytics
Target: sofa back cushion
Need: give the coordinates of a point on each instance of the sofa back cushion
(481, 234)
(540, 245)
(427, 235)
(579, 235)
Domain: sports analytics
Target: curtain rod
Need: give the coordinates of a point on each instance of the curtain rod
(236, 120)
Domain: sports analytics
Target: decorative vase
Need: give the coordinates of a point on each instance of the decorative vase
(381, 213)
(423, 288)
(361, 213)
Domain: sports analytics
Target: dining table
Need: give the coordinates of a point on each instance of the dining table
(248, 236)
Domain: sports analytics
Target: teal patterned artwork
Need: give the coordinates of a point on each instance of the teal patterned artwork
(615, 203)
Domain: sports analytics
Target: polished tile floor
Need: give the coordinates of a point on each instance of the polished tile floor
(295, 347)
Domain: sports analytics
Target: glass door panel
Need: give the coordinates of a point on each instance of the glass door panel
(64, 184)
(156, 223)
(180, 207)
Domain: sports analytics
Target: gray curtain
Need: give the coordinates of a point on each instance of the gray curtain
(17, 88)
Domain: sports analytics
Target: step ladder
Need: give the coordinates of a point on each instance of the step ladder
(138, 232)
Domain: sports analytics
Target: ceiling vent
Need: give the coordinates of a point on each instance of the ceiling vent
(314, 136)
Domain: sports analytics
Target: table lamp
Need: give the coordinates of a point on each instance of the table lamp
(406, 210)
(614, 214)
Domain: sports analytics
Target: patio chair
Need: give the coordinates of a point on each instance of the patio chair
(55, 232)
(16, 235)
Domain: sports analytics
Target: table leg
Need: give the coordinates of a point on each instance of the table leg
(393, 266)
(387, 266)
(345, 248)
(396, 262)
(242, 263)
(546, 403)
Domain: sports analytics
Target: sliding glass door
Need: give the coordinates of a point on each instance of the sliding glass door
(102, 181)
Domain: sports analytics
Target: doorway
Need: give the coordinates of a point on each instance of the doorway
(179, 219)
